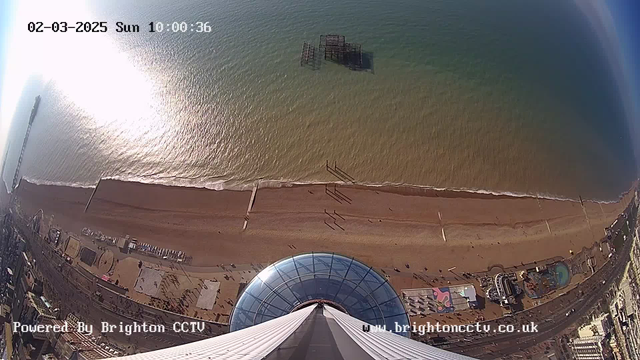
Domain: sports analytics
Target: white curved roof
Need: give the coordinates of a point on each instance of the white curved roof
(311, 333)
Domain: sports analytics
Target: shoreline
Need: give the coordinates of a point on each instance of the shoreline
(383, 227)
(402, 189)
(207, 225)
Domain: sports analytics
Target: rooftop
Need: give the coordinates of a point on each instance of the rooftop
(40, 305)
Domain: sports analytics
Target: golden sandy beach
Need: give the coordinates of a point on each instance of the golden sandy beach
(383, 227)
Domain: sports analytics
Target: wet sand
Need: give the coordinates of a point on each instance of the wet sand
(383, 227)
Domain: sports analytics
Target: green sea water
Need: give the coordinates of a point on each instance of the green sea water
(505, 95)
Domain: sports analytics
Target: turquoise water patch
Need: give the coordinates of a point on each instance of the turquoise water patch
(563, 276)
(540, 283)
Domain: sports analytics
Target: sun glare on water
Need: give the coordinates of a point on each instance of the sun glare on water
(88, 68)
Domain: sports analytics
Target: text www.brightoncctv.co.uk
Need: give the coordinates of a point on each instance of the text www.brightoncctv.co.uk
(423, 329)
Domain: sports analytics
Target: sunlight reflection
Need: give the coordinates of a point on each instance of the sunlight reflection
(88, 68)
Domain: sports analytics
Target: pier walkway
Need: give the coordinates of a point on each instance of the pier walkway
(34, 111)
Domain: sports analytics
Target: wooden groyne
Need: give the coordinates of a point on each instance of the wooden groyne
(91, 197)
(252, 200)
(339, 173)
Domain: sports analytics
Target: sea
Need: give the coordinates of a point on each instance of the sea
(502, 96)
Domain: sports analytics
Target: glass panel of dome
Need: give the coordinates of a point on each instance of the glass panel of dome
(371, 281)
(392, 306)
(241, 319)
(286, 293)
(260, 290)
(323, 265)
(353, 298)
(287, 269)
(321, 275)
(321, 288)
(253, 303)
(256, 286)
(388, 307)
(283, 286)
(349, 292)
(332, 287)
(275, 279)
(309, 286)
(383, 293)
(271, 310)
(358, 295)
(260, 318)
(276, 299)
(304, 263)
(268, 274)
(371, 312)
(298, 289)
(363, 290)
(346, 288)
(373, 317)
(369, 315)
(260, 294)
(247, 302)
(340, 266)
(356, 272)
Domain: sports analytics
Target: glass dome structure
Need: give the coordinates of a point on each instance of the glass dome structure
(341, 282)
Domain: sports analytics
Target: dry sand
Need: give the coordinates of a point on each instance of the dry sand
(383, 227)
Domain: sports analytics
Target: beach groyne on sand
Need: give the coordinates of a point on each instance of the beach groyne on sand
(385, 226)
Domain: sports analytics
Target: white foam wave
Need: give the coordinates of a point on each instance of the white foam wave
(263, 183)
(57, 183)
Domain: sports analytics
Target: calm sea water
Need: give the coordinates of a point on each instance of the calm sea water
(502, 95)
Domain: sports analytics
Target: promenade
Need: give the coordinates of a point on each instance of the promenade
(75, 293)
(232, 277)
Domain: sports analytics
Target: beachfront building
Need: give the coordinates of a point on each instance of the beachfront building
(505, 288)
(599, 326)
(438, 300)
(36, 311)
(313, 306)
(502, 289)
(589, 348)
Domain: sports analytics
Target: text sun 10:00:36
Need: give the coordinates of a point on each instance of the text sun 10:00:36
(102, 26)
